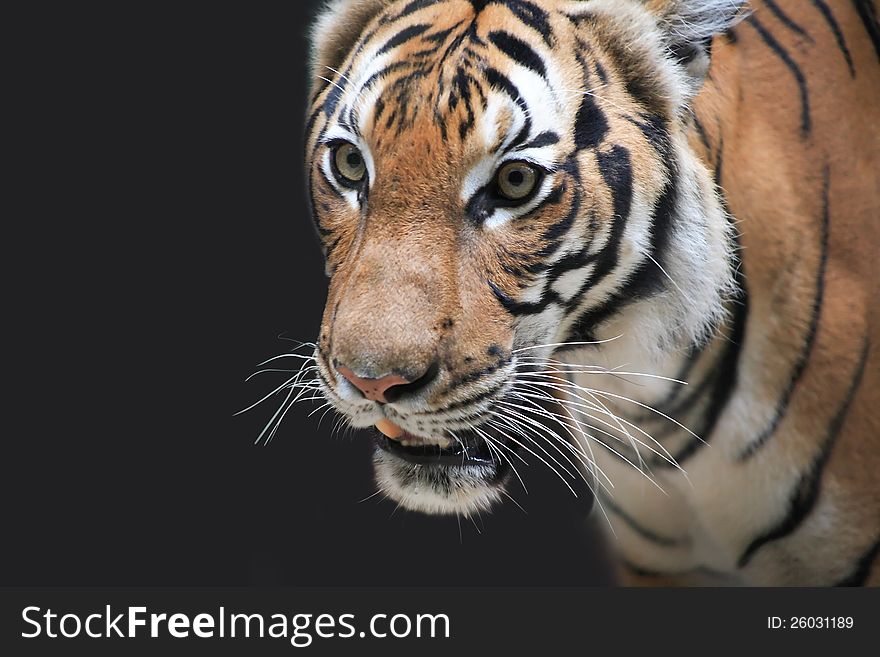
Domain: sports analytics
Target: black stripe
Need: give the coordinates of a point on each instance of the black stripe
(774, 45)
(462, 84)
(645, 572)
(841, 41)
(313, 118)
(805, 494)
(498, 79)
(411, 8)
(548, 296)
(719, 170)
(654, 130)
(638, 75)
(862, 570)
(470, 401)
(695, 393)
(616, 169)
(601, 72)
(649, 278)
(546, 138)
(569, 263)
(725, 379)
(684, 53)
(519, 51)
(580, 258)
(639, 571)
(868, 17)
(503, 361)
(438, 38)
(786, 20)
(683, 373)
(557, 230)
(331, 102)
(530, 14)
(648, 534)
(517, 308)
(590, 125)
(470, 34)
(378, 111)
(701, 132)
(378, 75)
(402, 37)
(810, 338)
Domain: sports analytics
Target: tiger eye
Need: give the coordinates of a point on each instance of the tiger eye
(350, 163)
(516, 180)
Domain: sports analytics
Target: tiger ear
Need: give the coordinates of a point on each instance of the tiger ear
(689, 25)
(335, 31)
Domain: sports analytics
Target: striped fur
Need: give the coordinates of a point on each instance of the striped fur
(709, 222)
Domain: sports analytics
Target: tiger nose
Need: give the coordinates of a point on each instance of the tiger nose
(389, 388)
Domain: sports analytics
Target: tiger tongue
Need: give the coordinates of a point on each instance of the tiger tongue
(390, 429)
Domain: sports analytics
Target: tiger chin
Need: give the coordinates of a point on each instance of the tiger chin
(540, 218)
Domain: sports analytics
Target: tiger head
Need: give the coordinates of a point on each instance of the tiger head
(494, 181)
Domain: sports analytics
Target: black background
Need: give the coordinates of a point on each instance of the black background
(159, 244)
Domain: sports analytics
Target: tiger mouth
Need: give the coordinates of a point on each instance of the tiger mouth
(467, 449)
(419, 452)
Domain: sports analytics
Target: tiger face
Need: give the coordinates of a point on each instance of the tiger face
(495, 182)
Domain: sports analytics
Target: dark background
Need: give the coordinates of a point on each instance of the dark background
(157, 245)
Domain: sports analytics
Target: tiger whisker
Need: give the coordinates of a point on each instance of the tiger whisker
(369, 497)
(578, 470)
(589, 437)
(278, 423)
(616, 373)
(603, 393)
(342, 75)
(565, 344)
(266, 372)
(665, 455)
(565, 383)
(539, 446)
(577, 407)
(317, 410)
(272, 419)
(298, 343)
(512, 499)
(494, 448)
(329, 81)
(274, 392)
(538, 456)
(583, 459)
(553, 439)
(618, 107)
(460, 442)
(665, 273)
(286, 355)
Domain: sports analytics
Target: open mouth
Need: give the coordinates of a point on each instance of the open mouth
(466, 449)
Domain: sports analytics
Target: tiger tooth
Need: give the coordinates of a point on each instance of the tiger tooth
(389, 429)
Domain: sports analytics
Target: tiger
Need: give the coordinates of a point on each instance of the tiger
(633, 240)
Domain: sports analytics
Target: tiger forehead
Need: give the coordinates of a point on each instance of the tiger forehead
(442, 63)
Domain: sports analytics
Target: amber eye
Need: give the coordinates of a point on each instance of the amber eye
(350, 165)
(517, 180)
